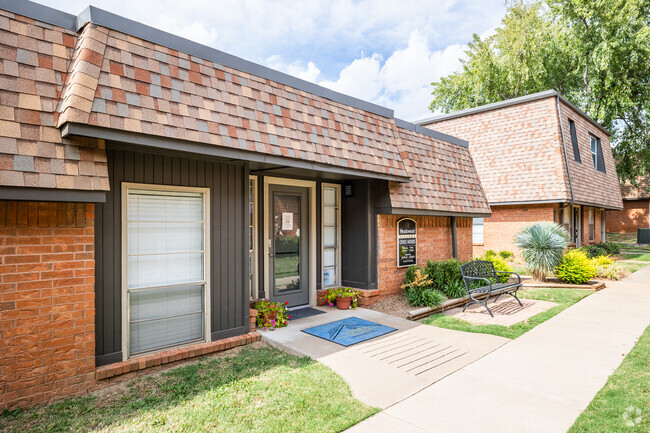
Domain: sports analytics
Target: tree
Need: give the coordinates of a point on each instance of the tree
(596, 53)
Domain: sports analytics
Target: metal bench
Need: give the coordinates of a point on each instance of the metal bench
(480, 270)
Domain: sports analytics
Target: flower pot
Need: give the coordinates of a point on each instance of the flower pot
(343, 302)
(268, 317)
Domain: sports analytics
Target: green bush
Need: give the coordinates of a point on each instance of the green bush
(575, 268)
(454, 289)
(425, 297)
(592, 251)
(287, 244)
(444, 276)
(507, 255)
(542, 244)
(609, 247)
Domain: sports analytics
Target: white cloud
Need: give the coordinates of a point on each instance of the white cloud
(298, 69)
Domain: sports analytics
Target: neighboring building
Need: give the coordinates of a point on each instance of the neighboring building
(150, 187)
(535, 168)
(636, 209)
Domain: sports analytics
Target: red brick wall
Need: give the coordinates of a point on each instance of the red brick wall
(506, 221)
(47, 317)
(434, 243)
(635, 215)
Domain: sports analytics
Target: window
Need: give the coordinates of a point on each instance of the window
(591, 224)
(252, 236)
(331, 235)
(603, 226)
(594, 152)
(574, 141)
(597, 154)
(166, 272)
(477, 231)
(566, 219)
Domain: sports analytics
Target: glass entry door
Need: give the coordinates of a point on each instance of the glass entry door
(289, 244)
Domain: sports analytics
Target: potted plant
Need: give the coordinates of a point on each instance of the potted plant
(271, 315)
(343, 297)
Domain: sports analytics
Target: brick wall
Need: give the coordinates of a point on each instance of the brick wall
(635, 215)
(506, 221)
(434, 243)
(47, 317)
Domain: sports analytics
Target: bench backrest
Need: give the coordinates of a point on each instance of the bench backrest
(478, 268)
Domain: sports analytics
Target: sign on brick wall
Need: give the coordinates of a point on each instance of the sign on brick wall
(406, 242)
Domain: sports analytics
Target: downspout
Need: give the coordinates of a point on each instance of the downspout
(454, 242)
(566, 158)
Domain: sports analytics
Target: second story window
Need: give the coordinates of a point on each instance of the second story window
(597, 153)
(574, 141)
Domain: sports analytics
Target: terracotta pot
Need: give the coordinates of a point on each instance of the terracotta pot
(343, 303)
(268, 317)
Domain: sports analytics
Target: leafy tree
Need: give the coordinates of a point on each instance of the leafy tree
(595, 52)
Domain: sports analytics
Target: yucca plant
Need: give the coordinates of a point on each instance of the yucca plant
(542, 247)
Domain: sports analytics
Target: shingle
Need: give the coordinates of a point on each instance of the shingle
(99, 105)
(132, 99)
(23, 163)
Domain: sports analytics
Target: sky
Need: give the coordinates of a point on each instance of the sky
(383, 51)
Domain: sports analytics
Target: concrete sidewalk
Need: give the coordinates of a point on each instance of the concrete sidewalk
(540, 382)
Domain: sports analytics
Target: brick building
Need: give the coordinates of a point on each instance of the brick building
(539, 159)
(636, 209)
(151, 186)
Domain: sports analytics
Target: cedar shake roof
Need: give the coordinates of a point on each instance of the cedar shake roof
(630, 192)
(518, 152)
(103, 78)
(442, 174)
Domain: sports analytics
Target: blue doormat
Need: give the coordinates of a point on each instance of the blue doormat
(349, 331)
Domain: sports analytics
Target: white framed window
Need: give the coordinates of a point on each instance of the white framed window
(592, 224)
(331, 250)
(566, 219)
(252, 237)
(594, 150)
(477, 230)
(603, 226)
(165, 266)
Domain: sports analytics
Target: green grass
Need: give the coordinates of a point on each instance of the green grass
(563, 297)
(627, 390)
(638, 257)
(631, 267)
(286, 266)
(627, 241)
(257, 389)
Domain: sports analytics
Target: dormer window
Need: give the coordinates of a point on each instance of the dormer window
(597, 154)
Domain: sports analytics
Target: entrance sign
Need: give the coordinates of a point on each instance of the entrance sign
(406, 243)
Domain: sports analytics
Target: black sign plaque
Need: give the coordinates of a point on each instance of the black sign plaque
(406, 243)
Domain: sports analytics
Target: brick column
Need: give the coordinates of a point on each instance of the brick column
(47, 301)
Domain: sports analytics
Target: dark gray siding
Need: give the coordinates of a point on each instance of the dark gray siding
(358, 236)
(228, 183)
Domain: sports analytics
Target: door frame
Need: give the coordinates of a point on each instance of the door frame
(311, 186)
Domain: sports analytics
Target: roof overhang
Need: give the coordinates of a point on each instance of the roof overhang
(556, 201)
(21, 193)
(259, 161)
(427, 212)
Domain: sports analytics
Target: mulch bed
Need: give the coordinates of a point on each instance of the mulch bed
(395, 305)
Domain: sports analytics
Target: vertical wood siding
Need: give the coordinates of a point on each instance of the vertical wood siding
(228, 185)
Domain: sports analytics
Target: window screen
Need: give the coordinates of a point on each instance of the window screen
(166, 275)
(591, 225)
(574, 141)
(477, 231)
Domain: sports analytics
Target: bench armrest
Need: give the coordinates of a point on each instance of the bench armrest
(465, 278)
(510, 273)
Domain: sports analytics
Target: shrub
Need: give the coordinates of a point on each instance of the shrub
(507, 255)
(592, 251)
(543, 244)
(419, 291)
(443, 272)
(602, 261)
(454, 289)
(611, 272)
(575, 268)
(609, 247)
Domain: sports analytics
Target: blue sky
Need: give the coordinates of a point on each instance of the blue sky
(386, 52)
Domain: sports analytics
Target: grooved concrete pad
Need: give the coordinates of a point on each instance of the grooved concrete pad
(507, 311)
(387, 369)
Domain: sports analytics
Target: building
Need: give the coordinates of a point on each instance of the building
(150, 187)
(636, 209)
(539, 159)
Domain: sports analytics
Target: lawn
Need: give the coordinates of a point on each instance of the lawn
(627, 241)
(623, 404)
(254, 388)
(563, 297)
(638, 257)
(631, 267)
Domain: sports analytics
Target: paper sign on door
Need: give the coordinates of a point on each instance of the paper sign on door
(287, 221)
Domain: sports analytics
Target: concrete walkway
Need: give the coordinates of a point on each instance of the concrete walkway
(540, 382)
(385, 370)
